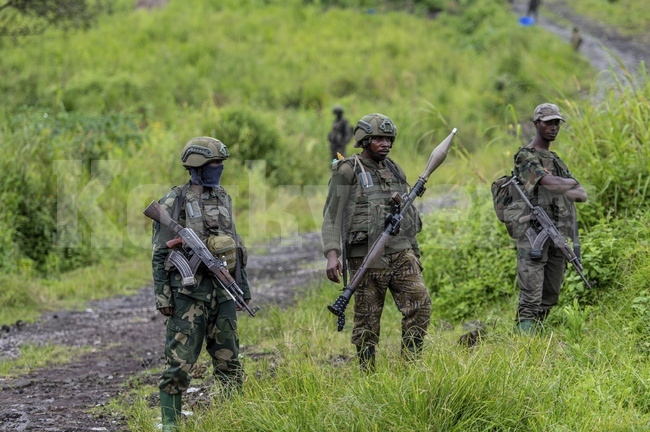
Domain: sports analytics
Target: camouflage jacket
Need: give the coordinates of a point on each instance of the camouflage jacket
(208, 214)
(530, 166)
(360, 213)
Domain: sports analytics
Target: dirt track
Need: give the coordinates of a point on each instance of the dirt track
(124, 336)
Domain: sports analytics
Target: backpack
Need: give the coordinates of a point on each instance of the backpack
(509, 206)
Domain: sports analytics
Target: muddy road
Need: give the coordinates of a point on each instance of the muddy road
(114, 340)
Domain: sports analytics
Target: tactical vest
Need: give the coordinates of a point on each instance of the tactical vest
(368, 207)
(208, 214)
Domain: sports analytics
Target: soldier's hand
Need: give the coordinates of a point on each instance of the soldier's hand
(334, 267)
(166, 311)
(239, 308)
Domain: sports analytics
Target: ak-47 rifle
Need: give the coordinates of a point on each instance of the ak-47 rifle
(393, 221)
(548, 230)
(200, 254)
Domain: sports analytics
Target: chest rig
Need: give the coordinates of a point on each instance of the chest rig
(372, 201)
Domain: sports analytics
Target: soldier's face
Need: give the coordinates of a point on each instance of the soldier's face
(380, 146)
(549, 129)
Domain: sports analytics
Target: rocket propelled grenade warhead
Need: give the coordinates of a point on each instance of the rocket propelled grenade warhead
(438, 155)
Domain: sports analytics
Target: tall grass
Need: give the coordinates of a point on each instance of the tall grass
(583, 375)
(629, 17)
(88, 141)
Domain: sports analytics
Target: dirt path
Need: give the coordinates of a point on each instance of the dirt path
(604, 47)
(123, 337)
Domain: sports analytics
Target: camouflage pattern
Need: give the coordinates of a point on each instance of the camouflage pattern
(540, 280)
(360, 214)
(340, 134)
(547, 111)
(203, 311)
(193, 322)
(533, 164)
(363, 210)
(401, 273)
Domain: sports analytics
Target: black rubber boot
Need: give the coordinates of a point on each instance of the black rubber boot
(411, 347)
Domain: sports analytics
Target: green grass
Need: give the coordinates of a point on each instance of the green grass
(168, 74)
(33, 357)
(582, 373)
(629, 17)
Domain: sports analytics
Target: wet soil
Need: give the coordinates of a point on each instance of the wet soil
(120, 338)
(115, 340)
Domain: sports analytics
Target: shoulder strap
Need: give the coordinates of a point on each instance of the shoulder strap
(179, 201)
(391, 166)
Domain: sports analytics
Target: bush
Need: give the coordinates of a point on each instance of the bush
(468, 259)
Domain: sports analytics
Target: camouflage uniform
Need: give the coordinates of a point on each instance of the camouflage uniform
(203, 311)
(340, 134)
(540, 280)
(360, 213)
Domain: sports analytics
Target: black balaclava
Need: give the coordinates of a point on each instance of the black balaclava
(207, 175)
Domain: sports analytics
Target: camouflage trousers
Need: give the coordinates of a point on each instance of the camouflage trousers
(401, 273)
(539, 280)
(193, 322)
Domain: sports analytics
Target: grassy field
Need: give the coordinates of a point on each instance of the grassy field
(88, 141)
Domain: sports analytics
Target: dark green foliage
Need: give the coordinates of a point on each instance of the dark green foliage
(29, 17)
(468, 259)
(43, 152)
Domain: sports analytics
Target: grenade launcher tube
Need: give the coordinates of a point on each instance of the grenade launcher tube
(438, 155)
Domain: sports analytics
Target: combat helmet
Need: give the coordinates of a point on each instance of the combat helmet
(337, 109)
(374, 125)
(200, 150)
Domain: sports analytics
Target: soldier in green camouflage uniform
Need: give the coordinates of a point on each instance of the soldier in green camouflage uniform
(203, 311)
(358, 201)
(547, 182)
(340, 134)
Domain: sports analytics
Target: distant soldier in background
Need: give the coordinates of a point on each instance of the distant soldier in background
(533, 5)
(340, 134)
(576, 39)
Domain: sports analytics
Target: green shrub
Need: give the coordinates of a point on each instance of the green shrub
(468, 259)
(608, 146)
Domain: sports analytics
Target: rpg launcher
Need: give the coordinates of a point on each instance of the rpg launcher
(393, 221)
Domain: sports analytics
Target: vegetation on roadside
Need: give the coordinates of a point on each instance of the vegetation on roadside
(629, 17)
(88, 141)
(94, 139)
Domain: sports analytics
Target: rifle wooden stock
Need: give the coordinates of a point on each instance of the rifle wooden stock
(438, 155)
(218, 269)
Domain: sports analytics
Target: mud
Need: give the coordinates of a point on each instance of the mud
(114, 340)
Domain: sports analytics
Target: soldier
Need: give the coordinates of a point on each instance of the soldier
(576, 39)
(547, 182)
(340, 134)
(203, 311)
(358, 201)
(533, 5)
